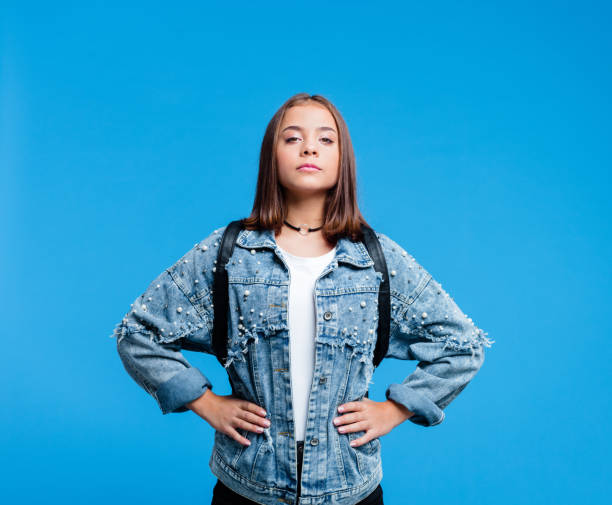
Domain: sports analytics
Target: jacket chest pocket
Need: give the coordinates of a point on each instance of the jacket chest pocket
(257, 296)
(348, 317)
(247, 317)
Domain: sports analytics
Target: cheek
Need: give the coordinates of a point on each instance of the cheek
(285, 158)
(285, 163)
(334, 157)
(334, 163)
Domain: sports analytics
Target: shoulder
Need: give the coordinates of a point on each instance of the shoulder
(193, 271)
(407, 277)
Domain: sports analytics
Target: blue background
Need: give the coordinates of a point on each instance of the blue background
(482, 137)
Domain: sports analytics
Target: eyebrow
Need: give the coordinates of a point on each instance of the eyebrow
(299, 128)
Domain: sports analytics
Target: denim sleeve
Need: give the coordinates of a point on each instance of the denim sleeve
(428, 326)
(165, 319)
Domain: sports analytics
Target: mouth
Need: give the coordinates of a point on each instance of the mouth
(308, 167)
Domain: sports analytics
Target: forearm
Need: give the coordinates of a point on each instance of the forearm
(438, 379)
(162, 370)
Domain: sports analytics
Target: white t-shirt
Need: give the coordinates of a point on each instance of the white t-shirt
(304, 272)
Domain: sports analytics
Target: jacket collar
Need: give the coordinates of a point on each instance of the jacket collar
(347, 251)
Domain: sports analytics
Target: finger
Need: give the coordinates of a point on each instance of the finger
(364, 439)
(237, 436)
(251, 407)
(350, 406)
(351, 428)
(254, 418)
(245, 425)
(347, 418)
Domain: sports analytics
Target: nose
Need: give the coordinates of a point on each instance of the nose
(309, 150)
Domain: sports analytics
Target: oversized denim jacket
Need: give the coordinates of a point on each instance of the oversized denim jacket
(175, 312)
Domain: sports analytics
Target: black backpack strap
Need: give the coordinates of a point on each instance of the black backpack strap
(384, 295)
(220, 298)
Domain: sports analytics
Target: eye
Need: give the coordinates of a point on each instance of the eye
(289, 139)
(329, 141)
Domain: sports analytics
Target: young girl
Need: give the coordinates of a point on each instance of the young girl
(298, 427)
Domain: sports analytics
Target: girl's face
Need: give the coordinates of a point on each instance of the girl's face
(308, 135)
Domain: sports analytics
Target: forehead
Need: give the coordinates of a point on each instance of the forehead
(308, 116)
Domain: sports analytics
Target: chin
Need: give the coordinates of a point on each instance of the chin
(307, 188)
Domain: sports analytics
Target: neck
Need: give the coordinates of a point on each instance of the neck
(305, 210)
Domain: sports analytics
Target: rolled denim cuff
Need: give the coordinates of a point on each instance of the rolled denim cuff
(426, 412)
(182, 388)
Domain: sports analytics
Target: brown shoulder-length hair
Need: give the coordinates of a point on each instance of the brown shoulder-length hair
(341, 216)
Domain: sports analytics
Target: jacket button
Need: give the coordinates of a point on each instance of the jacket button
(327, 316)
(322, 380)
(314, 441)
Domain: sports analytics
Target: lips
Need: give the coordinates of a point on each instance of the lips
(310, 167)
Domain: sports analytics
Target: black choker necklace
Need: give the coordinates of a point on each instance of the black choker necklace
(303, 229)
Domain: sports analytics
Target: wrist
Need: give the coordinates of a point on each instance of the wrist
(200, 404)
(399, 411)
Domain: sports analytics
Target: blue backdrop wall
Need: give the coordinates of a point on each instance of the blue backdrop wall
(129, 132)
